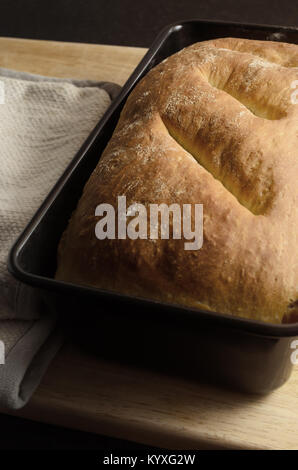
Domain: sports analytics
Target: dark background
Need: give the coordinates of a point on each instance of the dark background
(121, 22)
(129, 22)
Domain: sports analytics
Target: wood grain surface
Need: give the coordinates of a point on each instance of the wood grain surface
(82, 391)
(70, 60)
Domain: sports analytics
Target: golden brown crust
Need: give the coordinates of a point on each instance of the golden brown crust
(213, 124)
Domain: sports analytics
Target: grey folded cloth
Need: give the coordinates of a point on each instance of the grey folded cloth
(43, 122)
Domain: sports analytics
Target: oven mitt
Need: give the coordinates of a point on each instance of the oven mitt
(43, 123)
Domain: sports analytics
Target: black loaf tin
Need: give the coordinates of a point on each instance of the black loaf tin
(243, 354)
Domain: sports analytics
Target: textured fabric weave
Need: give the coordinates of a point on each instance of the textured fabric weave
(43, 123)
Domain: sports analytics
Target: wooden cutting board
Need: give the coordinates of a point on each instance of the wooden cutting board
(88, 393)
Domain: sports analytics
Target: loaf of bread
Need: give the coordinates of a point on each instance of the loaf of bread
(214, 124)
